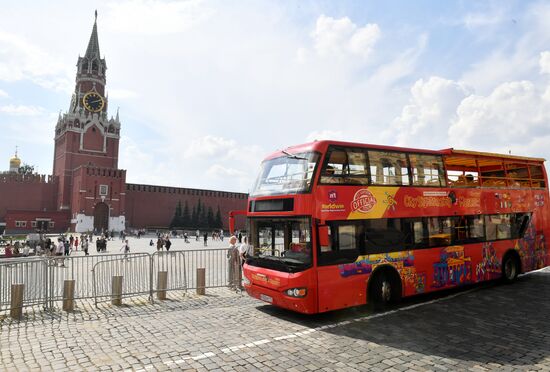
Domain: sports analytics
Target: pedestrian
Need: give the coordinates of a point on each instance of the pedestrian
(76, 244)
(59, 251)
(71, 241)
(205, 237)
(233, 264)
(151, 243)
(85, 246)
(126, 248)
(98, 245)
(167, 244)
(67, 246)
(197, 233)
(160, 244)
(8, 253)
(26, 250)
(244, 250)
(240, 237)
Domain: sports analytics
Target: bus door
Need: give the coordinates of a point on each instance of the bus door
(341, 278)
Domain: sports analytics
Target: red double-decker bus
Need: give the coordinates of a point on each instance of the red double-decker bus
(336, 224)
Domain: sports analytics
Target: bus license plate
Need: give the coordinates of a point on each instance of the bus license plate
(266, 298)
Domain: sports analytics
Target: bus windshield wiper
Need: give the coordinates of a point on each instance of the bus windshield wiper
(292, 156)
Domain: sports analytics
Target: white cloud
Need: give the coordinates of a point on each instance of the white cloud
(3, 94)
(477, 20)
(21, 59)
(208, 146)
(325, 135)
(155, 17)
(427, 117)
(544, 62)
(341, 36)
(122, 94)
(21, 110)
(514, 114)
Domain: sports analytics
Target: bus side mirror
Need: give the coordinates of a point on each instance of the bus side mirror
(324, 238)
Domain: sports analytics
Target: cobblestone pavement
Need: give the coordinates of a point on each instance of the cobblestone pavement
(489, 327)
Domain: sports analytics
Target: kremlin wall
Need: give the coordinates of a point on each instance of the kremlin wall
(86, 190)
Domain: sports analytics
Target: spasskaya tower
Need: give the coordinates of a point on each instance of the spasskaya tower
(91, 186)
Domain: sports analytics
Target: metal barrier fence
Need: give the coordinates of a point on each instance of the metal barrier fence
(31, 272)
(216, 263)
(142, 274)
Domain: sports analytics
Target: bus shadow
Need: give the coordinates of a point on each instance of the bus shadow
(495, 323)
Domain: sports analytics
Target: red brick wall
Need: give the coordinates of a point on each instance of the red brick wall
(93, 139)
(59, 218)
(86, 183)
(26, 193)
(148, 206)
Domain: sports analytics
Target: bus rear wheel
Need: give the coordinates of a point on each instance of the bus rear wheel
(385, 289)
(510, 268)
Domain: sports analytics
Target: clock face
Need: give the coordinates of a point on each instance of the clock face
(93, 102)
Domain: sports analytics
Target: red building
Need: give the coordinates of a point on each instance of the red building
(87, 191)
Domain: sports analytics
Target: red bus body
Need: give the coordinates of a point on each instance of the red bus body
(495, 197)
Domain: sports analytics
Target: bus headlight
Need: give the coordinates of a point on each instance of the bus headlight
(296, 292)
(246, 281)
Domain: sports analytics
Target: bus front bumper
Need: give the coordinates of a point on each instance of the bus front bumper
(302, 305)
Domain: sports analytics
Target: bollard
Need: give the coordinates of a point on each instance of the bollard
(68, 295)
(16, 305)
(162, 284)
(116, 298)
(201, 281)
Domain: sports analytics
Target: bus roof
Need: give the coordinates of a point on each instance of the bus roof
(322, 146)
(469, 153)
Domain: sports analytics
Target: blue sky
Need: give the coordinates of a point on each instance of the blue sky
(206, 89)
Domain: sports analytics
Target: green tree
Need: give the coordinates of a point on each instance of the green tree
(185, 217)
(193, 221)
(199, 214)
(218, 220)
(210, 218)
(26, 169)
(176, 220)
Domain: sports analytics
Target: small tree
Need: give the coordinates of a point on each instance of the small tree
(176, 220)
(218, 220)
(26, 169)
(185, 217)
(210, 218)
(193, 221)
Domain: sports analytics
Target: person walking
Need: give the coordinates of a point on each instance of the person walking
(160, 244)
(85, 245)
(126, 248)
(76, 244)
(205, 238)
(197, 234)
(59, 251)
(167, 244)
(67, 247)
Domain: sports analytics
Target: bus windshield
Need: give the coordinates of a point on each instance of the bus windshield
(289, 174)
(281, 243)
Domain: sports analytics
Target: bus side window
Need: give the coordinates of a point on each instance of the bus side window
(344, 245)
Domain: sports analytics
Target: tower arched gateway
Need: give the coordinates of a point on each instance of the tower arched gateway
(101, 217)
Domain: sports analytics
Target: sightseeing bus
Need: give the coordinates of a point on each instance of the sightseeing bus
(336, 224)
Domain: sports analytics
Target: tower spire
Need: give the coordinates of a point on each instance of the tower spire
(93, 45)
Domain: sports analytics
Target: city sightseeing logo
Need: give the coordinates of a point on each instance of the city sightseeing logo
(332, 196)
(363, 201)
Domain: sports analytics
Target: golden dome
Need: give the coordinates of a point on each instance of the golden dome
(15, 162)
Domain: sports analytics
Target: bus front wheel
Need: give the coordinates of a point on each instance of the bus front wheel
(510, 268)
(384, 289)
